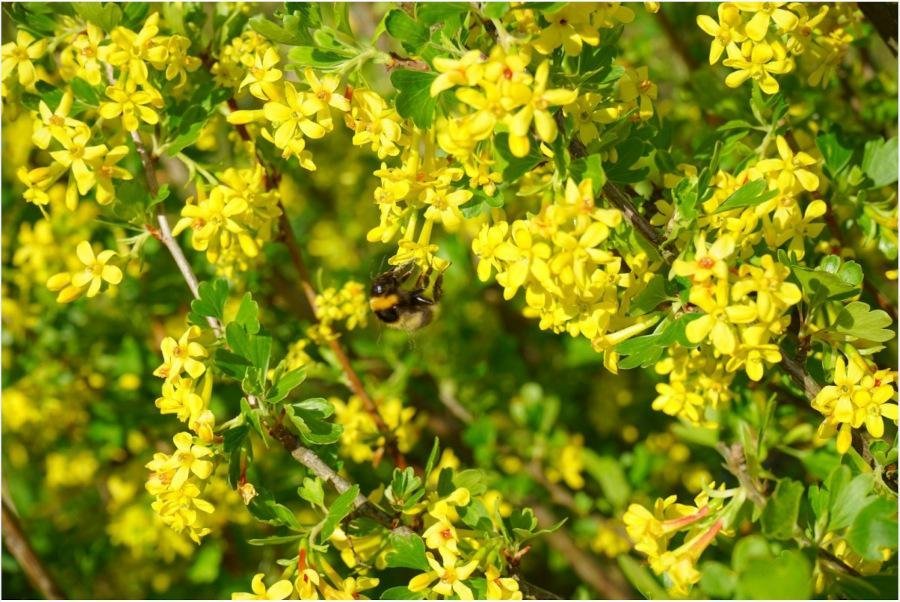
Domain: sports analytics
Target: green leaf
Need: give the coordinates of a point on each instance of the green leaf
(275, 33)
(819, 285)
(835, 154)
(107, 16)
(264, 508)
(641, 578)
(432, 457)
(207, 561)
(873, 529)
(310, 56)
(609, 474)
(472, 479)
(211, 303)
(248, 314)
(649, 298)
(414, 100)
(848, 499)
(312, 428)
(84, 92)
(779, 518)
(285, 384)
(312, 491)
(787, 577)
(495, 10)
(318, 405)
(251, 417)
(406, 551)
(880, 162)
(717, 580)
(429, 13)
(858, 320)
(406, 30)
(748, 195)
(340, 508)
(747, 549)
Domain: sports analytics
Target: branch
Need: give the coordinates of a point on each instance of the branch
(610, 585)
(17, 543)
(883, 17)
(289, 237)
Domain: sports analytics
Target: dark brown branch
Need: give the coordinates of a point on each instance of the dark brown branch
(883, 17)
(16, 542)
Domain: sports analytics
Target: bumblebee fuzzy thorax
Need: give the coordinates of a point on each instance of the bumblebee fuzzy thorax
(406, 297)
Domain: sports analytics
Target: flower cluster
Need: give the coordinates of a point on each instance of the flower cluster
(232, 219)
(448, 576)
(653, 532)
(349, 306)
(289, 115)
(361, 437)
(861, 394)
(574, 278)
(764, 39)
(177, 479)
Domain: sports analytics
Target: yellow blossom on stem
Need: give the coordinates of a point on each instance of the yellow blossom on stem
(448, 575)
(726, 32)
(280, 590)
(758, 62)
(182, 355)
(18, 57)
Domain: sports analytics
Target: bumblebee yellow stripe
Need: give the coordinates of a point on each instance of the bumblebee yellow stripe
(384, 302)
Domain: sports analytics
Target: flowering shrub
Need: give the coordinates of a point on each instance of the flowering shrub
(661, 292)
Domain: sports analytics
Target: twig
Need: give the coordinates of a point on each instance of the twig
(736, 463)
(289, 237)
(675, 38)
(800, 376)
(883, 17)
(607, 583)
(17, 543)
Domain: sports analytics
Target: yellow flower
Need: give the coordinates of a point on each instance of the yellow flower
(716, 322)
(757, 62)
(279, 591)
(130, 104)
(569, 27)
(753, 350)
(179, 398)
(57, 124)
(790, 168)
(95, 272)
(501, 588)
(263, 74)
(76, 156)
(187, 460)
(727, 32)
(536, 101)
(441, 536)
(291, 116)
(129, 50)
(765, 12)
(707, 262)
(466, 71)
(635, 87)
(324, 90)
(350, 588)
(306, 584)
(181, 355)
(107, 170)
(449, 576)
(18, 56)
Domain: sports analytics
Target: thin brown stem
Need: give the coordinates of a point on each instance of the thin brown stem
(610, 584)
(16, 541)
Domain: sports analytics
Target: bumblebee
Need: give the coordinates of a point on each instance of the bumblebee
(406, 297)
